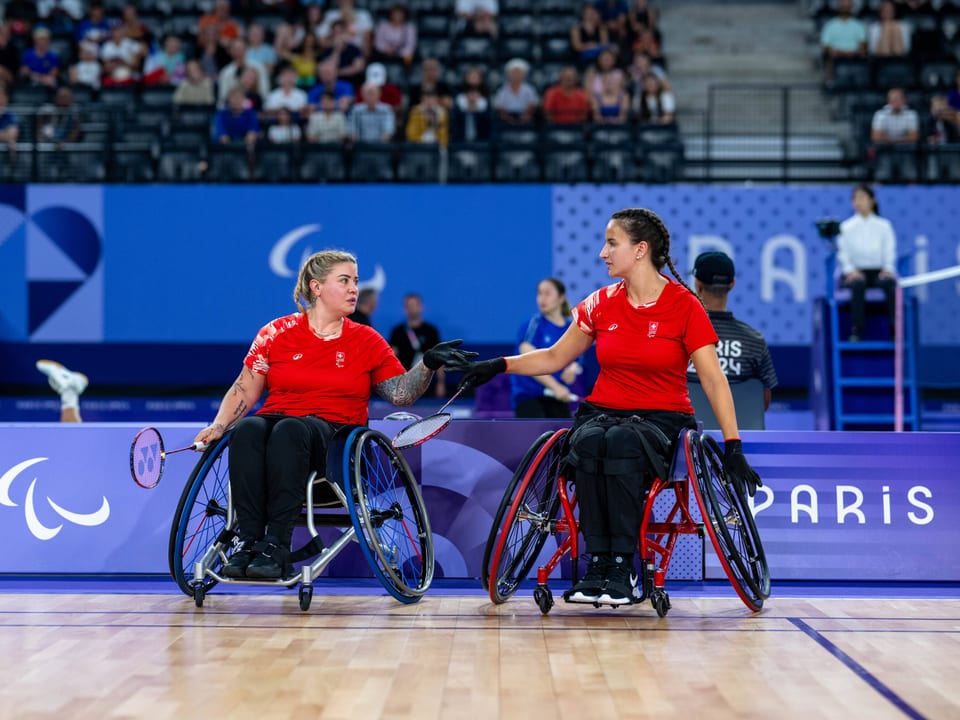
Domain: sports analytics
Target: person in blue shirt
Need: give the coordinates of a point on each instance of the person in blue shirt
(235, 122)
(545, 396)
(40, 64)
(95, 27)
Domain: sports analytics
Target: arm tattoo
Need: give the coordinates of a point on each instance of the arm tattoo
(407, 388)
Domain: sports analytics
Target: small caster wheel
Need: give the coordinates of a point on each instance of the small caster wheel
(661, 602)
(544, 598)
(199, 593)
(306, 595)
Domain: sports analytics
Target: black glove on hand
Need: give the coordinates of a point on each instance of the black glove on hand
(737, 468)
(446, 355)
(480, 372)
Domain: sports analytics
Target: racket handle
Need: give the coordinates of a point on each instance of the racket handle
(547, 392)
(199, 446)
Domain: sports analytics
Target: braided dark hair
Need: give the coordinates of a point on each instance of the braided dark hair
(643, 225)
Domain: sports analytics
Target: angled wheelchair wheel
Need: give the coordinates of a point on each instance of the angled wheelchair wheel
(730, 523)
(505, 503)
(528, 520)
(200, 517)
(388, 515)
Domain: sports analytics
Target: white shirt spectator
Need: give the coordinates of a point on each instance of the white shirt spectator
(283, 134)
(362, 24)
(127, 51)
(873, 35)
(667, 104)
(73, 8)
(87, 72)
(294, 101)
(515, 102)
(468, 7)
(866, 243)
(895, 124)
(229, 77)
(324, 128)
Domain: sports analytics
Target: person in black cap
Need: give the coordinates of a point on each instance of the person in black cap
(742, 350)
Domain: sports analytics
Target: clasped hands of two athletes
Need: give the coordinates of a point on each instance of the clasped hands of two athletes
(478, 372)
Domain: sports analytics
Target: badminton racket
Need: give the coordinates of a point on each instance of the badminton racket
(422, 430)
(147, 457)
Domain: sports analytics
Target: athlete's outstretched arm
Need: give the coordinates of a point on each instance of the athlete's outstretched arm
(546, 361)
(240, 398)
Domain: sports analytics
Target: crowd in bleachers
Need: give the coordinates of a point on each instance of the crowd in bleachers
(335, 90)
(893, 67)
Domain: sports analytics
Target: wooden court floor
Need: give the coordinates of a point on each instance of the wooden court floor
(258, 656)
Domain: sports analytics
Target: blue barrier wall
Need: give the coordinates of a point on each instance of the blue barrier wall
(122, 270)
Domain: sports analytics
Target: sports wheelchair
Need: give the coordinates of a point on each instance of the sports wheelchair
(540, 501)
(368, 490)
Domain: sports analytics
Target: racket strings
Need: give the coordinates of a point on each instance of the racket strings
(422, 430)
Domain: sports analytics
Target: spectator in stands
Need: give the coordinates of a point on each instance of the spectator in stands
(250, 84)
(226, 28)
(605, 65)
(41, 65)
(588, 38)
(235, 122)
(430, 72)
(941, 127)
(59, 123)
(566, 102)
(641, 66)
(167, 65)
(376, 73)
(328, 82)
(60, 15)
(20, 16)
(470, 119)
(516, 101)
(68, 385)
(9, 56)
(94, 28)
(653, 104)
(230, 75)
(287, 37)
(347, 56)
(528, 395)
(613, 13)
(415, 336)
(641, 16)
(743, 351)
(211, 55)
(396, 36)
(258, 50)
(888, 37)
(843, 36)
(133, 27)
(305, 59)
(611, 106)
(287, 95)
(122, 58)
(371, 120)
(953, 97)
(358, 25)
(428, 121)
(867, 256)
(905, 8)
(367, 300)
(327, 124)
(87, 71)
(478, 17)
(284, 130)
(648, 42)
(196, 88)
(895, 123)
(9, 126)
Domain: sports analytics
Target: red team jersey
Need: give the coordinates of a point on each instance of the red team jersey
(307, 375)
(643, 352)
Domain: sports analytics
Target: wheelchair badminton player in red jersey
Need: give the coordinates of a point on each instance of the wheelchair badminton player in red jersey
(319, 368)
(647, 328)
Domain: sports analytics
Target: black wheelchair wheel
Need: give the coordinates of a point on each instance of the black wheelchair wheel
(505, 503)
(388, 515)
(200, 517)
(529, 519)
(730, 523)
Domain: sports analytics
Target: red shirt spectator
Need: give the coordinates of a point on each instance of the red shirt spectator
(566, 102)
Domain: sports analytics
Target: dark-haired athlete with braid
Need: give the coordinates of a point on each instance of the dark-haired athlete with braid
(647, 328)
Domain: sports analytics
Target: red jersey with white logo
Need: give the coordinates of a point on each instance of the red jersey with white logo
(643, 352)
(308, 375)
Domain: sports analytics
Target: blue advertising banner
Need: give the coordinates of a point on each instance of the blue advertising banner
(834, 506)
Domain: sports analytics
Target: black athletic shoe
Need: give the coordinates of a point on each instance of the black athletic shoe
(236, 566)
(269, 561)
(587, 590)
(621, 586)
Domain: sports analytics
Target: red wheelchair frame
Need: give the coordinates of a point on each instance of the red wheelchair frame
(540, 501)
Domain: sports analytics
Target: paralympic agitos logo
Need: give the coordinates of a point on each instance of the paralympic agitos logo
(36, 527)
